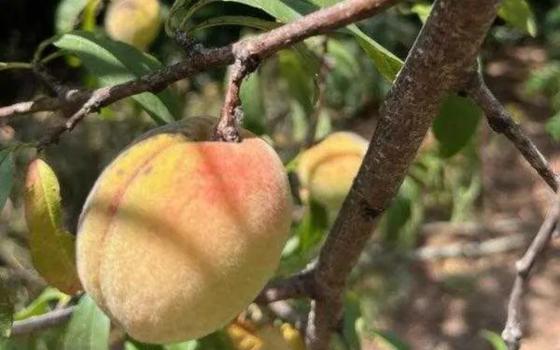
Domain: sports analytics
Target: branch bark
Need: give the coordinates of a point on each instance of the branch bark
(439, 62)
(38, 323)
(501, 122)
(513, 333)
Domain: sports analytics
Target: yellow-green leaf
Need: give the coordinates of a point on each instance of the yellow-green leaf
(518, 14)
(52, 247)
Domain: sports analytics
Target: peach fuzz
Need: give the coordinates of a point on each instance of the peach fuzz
(180, 234)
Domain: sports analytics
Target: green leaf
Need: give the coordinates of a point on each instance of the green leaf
(252, 101)
(422, 10)
(306, 239)
(455, 124)
(88, 328)
(352, 313)
(494, 339)
(6, 175)
(113, 62)
(390, 340)
(287, 11)
(40, 305)
(518, 14)
(68, 14)
(552, 127)
(51, 247)
(189, 345)
(386, 63)
(299, 79)
(6, 309)
(400, 222)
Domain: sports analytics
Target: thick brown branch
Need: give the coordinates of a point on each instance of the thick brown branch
(439, 62)
(513, 332)
(501, 122)
(38, 323)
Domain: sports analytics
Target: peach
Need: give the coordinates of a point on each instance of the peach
(179, 234)
(326, 171)
(135, 22)
(248, 336)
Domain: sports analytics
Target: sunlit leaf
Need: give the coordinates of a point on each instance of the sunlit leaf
(189, 345)
(518, 14)
(68, 13)
(88, 328)
(352, 313)
(390, 340)
(455, 124)
(494, 339)
(41, 304)
(113, 62)
(422, 10)
(6, 175)
(52, 247)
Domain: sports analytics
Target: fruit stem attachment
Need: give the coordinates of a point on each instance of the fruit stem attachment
(227, 128)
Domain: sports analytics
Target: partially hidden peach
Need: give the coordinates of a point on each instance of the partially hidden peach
(247, 336)
(179, 233)
(135, 22)
(326, 170)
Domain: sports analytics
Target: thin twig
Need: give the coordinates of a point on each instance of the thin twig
(513, 333)
(297, 286)
(39, 323)
(227, 128)
(501, 122)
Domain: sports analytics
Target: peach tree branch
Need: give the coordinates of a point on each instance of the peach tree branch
(41, 322)
(257, 47)
(439, 63)
(512, 333)
(501, 122)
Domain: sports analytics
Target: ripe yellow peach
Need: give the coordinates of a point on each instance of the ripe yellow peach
(327, 170)
(247, 336)
(179, 234)
(135, 22)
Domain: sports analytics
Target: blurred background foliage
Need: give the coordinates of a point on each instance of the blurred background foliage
(417, 286)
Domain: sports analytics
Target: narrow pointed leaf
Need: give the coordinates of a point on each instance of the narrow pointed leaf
(41, 304)
(52, 248)
(455, 124)
(114, 63)
(88, 328)
(518, 14)
(67, 14)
